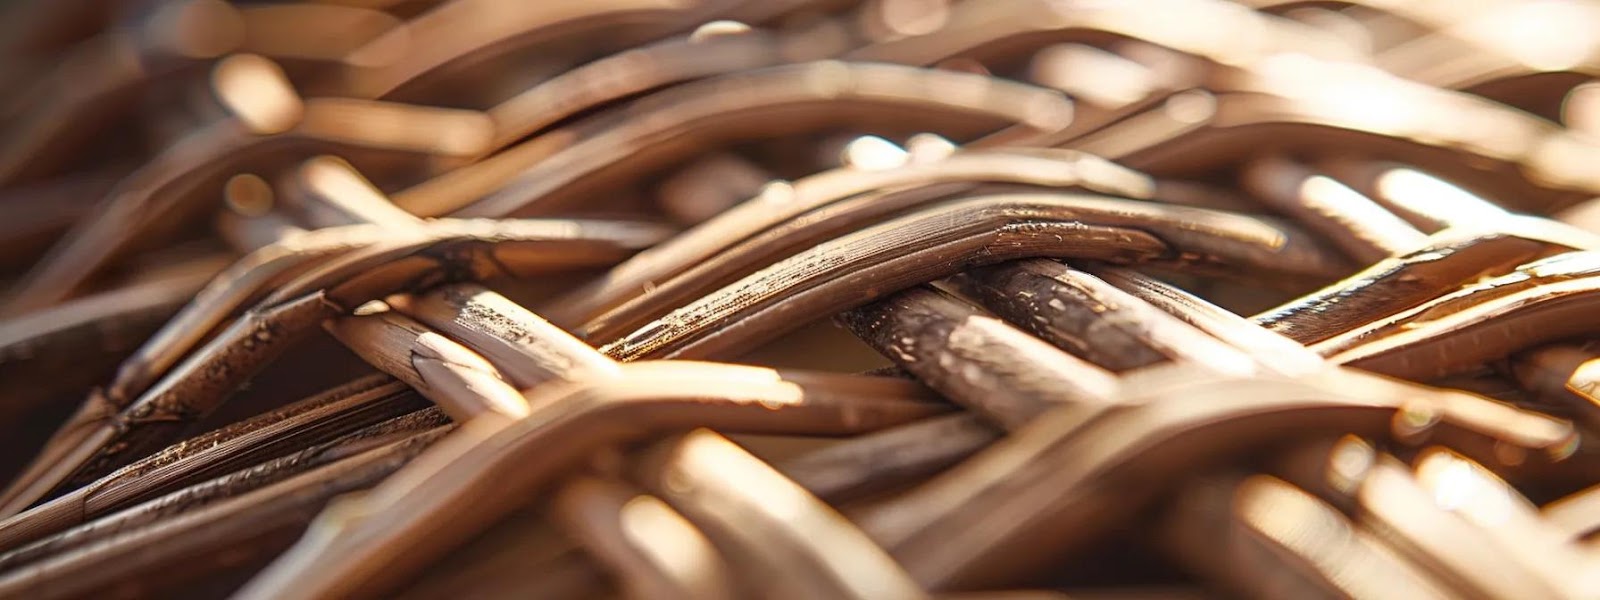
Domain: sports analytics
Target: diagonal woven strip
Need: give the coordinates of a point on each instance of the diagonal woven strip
(800, 299)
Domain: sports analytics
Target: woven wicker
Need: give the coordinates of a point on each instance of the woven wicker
(800, 299)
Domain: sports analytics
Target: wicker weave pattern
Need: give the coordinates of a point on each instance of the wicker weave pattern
(800, 299)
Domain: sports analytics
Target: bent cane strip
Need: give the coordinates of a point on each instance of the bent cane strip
(939, 241)
(650, 546)
(336, 412)
(984, 514)
(787, 543)
(469, 249)
(483, 465)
